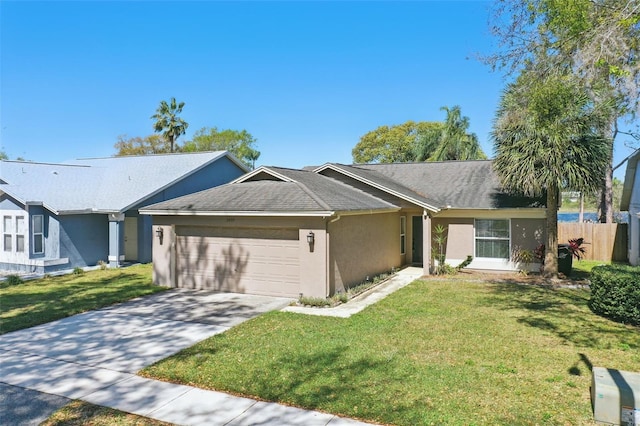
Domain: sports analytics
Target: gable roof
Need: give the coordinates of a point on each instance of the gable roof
(441, 185)
(109, 185)
(382, 182)
(629, 179)
(274, 190)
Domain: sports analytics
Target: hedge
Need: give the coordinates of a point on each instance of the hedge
(615, 293)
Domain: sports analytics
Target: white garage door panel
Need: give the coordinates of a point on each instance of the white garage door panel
(268, 266)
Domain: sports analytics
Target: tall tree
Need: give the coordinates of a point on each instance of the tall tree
(392, 144)
(597, 40)
(152, 144)
(546, 139)
(168, 122)
(452, 142)
(3, 155)
(239, 143)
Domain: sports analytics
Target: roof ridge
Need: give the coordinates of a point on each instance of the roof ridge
(160, 154)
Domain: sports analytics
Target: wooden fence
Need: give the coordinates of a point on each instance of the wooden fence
(605, 241)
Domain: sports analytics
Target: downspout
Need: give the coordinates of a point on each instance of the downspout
(328, 254)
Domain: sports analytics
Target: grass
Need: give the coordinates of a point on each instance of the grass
(78, 413)
(39, 301)
(436, 352)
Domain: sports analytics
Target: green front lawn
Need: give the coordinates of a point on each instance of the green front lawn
(39, 301)
(435, 352)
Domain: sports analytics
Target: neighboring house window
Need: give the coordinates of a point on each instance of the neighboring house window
(403, 233)
(6, 232)
(37, 231)
(492, 238)
(20, 234)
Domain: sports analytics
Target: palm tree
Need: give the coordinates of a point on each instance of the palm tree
(452, 141)
(167, 121)
(545, 140)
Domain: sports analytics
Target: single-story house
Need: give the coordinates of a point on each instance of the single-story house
(630, 202)
(77, 214)
(318, 231)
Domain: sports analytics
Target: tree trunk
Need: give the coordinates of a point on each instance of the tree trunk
(550, 268)
(581, 213)
(606, 195)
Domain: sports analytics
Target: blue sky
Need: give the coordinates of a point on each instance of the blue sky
(306, 79)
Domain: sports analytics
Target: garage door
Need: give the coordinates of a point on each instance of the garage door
(242, 260)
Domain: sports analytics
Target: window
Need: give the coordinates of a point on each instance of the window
(6, 233)
(403, 233)
(492, 238)
(37, 232)
(20, 234)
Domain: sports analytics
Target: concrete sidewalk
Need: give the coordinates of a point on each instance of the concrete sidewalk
(178, 404)
(357, 304)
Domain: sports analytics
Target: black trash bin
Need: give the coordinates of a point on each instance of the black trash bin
(564, 259)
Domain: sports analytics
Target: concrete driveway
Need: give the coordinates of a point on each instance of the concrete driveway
(79, 355)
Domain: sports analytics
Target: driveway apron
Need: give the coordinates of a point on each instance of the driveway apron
(80, 355)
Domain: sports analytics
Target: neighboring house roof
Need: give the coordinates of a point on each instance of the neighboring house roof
(629, 179)
(446, 184)
(110, 185)
(275, 190)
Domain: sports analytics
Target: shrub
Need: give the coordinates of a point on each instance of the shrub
(13, 280)
(102, 264)
(615, 293)
(78, 271)
(314, 301)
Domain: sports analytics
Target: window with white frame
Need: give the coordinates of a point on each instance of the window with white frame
(37, 233)
(493, 238)
(403, 234)
(7, 235)
(20, 234)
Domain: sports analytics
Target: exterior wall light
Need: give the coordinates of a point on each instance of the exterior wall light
(311, 238)
(160, 234)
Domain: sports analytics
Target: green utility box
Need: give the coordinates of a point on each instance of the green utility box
(615, 396)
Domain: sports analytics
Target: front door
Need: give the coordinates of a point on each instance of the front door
(130, 238)
(416, 239)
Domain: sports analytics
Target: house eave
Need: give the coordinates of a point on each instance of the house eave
(300, 213)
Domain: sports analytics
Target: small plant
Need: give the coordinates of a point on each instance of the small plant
(440, 239)
(576, 249)
(525, 257)
(340, 297)
(102, 264)
(314, 301)
(13, 279)
(78, 271)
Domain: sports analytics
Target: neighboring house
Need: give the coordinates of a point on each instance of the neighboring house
(316, 232)
(61, 216)
(631, 202)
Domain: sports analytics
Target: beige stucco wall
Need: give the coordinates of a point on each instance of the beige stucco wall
(460, 238)
(362, 246)
(527, 234)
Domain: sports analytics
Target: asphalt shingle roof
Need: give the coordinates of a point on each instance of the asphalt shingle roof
(459, 184)
(304, 192)
(110, 184)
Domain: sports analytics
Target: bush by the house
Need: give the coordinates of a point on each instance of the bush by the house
(615, 293)
(13, 280)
